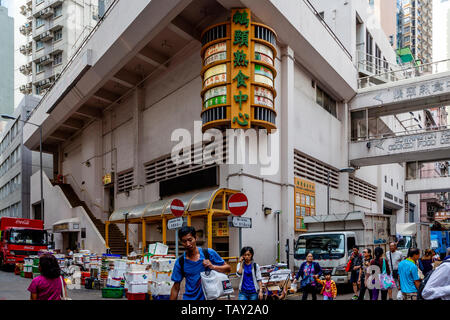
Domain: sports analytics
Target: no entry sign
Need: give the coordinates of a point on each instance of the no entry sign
(177, 207)
(238, 204)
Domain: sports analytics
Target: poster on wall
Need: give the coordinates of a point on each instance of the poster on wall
(380, 232)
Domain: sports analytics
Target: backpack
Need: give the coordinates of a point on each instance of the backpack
(424, 283)
(181, 260)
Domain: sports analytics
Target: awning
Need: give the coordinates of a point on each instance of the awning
(406, 229)
(67, 225)
(195, 201)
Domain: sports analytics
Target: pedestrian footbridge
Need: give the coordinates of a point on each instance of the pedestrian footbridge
(403, 95)
(429, 185)
(429, 145)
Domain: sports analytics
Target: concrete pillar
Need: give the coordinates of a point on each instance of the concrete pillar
(286, 127)
(139, 177)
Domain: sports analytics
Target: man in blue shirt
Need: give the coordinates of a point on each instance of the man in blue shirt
(409, 275)
(194, 263)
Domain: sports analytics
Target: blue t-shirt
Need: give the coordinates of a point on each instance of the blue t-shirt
(193, 286)
(248, 285)
(408, 273)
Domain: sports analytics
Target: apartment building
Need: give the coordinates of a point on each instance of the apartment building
(6, 61)
(415, 28)
(18, 164)
(51, 35)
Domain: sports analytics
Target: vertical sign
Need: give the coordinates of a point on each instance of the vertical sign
(305, 202)
(240, 68)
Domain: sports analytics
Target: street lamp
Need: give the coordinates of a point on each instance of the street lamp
(348, 170)
(8, 117)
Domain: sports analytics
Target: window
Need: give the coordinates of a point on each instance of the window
(125, 181)
(39, 22)
(385, 179)
(327, 102)
(392, 182)
(304, 201)
(39, 45)
(39, 67)
(57, 59)
(407, 39)
(57, 35)
(362, 189)
(57, 11)
(378, 59)
(397, 185)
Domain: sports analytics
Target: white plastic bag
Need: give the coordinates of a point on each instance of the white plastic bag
(399, 295)
(215, 284)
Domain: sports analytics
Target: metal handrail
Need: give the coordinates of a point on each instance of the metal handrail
(90, 203)
(327, 27)
(406, 71)
(411, 132)
(76, 53)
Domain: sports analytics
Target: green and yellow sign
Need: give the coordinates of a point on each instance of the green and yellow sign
(238, 74)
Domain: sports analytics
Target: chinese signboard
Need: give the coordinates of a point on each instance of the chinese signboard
(305, 202)
(238, 74)
(107, 179)
(220, 228)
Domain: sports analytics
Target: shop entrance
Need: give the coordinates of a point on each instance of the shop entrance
(109, 199)
(70, 240)
(37, 214)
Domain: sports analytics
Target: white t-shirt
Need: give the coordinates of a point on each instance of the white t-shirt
(397, 257)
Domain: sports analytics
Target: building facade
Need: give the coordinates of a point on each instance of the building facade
(6, 61)
(18, 164)
(113, 132)
(50, 38)
(415, 28)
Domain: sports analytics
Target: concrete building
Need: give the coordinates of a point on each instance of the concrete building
(6, 61)
(415, 28)
(111, 118)
(51, 34)
(18, 164)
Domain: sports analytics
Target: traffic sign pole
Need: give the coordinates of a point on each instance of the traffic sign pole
(240, 238)
(176, 242)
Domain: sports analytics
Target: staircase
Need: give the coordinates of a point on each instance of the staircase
(116, 239)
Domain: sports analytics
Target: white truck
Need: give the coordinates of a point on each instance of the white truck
(413, 235)
(330, 239)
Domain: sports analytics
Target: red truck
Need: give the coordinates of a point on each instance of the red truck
(20, 238)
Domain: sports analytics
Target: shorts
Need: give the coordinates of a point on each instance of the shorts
(354, 276)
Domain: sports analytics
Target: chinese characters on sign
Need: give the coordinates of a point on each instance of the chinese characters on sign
(421, 90)
(238, 74)
(305, 202)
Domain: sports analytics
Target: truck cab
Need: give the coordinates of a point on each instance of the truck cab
(331, 250)
(20, 238)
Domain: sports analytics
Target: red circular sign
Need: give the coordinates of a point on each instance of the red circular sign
(238, 204)
(177, 207)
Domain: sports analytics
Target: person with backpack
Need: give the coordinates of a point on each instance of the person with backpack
(409, 275)
(307, 271)
(250, 285)
(364, 275)
(190, 264)
(436, 285)
(426, 262)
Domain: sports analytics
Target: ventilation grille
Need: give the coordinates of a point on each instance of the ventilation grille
(125, 181)
(362, 189)
(164, 168)
(314, 170)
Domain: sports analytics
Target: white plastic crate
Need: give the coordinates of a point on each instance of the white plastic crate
(163, 264)
(160, 288)
(136, 277)
(158, 276)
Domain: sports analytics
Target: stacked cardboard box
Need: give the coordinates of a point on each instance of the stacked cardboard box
(160, 282)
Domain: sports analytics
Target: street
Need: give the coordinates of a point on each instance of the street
(14, 287)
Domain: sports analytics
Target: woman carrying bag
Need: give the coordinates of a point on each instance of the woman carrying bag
(385, 278)
(308, 270)
(50, 284)
(250, 287)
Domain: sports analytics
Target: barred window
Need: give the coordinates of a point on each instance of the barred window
(361, 188)
(314, 170)
(125, 180)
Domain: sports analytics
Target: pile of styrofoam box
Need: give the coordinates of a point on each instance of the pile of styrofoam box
(116, 275)
(160, 282)
(158, 248)
(136, 278)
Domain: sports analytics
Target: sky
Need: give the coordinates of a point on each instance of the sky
(441, 9)
(10, 5)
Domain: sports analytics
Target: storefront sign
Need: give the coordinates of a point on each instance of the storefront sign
(244, 44)
(305, 202)
(240, 222)
(419, 141)
(61, 227)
